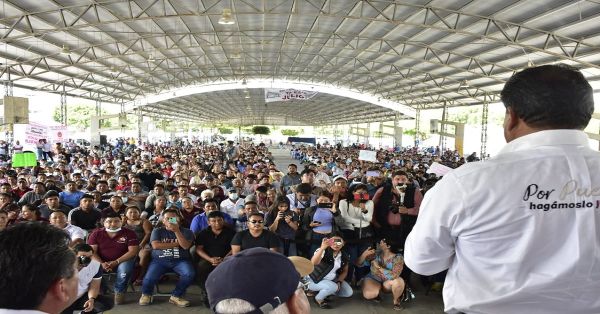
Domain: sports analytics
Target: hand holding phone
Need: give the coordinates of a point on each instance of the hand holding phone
(173, 220)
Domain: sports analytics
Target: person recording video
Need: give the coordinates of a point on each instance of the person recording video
(89, 299)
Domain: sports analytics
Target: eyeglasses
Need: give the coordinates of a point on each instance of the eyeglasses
(255, 222)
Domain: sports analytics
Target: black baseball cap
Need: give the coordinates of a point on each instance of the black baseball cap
(248, 276)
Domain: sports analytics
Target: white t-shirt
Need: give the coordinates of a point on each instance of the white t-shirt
(337, 263)
(520, 233)
(75, 232)
(86, 275)
(227, 206)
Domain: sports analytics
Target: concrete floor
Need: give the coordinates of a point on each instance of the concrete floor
(422, 304)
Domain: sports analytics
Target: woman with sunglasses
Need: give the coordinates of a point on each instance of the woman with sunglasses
(331, 268)
(386, 266)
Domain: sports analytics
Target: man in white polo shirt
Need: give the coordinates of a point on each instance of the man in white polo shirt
(520, 233)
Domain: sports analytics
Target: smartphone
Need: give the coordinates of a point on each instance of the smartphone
(326, 205)
(173, 220)
(317, 222)
(375, 174)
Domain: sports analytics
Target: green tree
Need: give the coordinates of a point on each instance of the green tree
(261, 130)
(225, 130)
(80, 116)
(289, 132)
(412, 132)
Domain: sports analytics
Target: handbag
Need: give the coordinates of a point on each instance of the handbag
(394, 219)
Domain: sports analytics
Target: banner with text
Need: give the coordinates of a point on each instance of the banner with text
(276, 94)
(54, 134)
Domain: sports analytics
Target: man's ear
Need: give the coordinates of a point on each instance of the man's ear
(298, 303)
(512, 120)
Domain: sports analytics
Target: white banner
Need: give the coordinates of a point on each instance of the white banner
(58, 134)
(53, 134)
(34, 132)
(276, 94)
(367, 155)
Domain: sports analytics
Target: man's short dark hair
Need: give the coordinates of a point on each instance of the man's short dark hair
(304, 188)
(550, 96)
(112, 214)
(215, 214)
(34, 256)
(82, 247)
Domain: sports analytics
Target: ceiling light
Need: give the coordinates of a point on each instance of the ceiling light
(247, 95)
(226, 18)
(236, 55)
(151, 58)
(114, 69)
(65, 50)
(530, 64)
(244, 82)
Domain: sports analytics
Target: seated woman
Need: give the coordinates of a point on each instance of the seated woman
(331, 268)
(30, 213)
(386, 266)
(142, 228)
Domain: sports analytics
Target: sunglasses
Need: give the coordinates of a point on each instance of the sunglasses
(256, 222)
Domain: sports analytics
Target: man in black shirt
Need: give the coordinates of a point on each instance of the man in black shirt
(255, 236)
(149, 176)
(85, 216)
(212, 245)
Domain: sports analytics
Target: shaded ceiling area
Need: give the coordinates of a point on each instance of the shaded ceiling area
(421, 54)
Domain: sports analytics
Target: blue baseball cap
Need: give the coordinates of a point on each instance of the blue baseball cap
(261, 277)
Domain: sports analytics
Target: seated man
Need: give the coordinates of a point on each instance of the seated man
(71, 195)
(212, 245)
(116, 248)
(51, 203)
(59, 220)
(170, 252)
(255, 236)
(86, 216)
(200, 222)
(89, 299)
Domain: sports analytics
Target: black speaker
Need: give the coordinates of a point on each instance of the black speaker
(103, 140)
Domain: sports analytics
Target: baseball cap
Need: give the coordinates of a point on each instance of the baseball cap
(339, 178)
(248, 276)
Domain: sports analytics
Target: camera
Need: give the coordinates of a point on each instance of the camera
(84, 260)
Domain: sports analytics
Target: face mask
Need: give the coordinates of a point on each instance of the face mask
(113, 230)
(233, 196)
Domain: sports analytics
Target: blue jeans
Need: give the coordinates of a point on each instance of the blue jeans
(159, 267)
(328, 287)
(124, 272)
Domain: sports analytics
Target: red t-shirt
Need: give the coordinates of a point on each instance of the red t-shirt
(109, 249)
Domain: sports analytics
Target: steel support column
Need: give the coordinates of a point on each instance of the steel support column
(484, 129)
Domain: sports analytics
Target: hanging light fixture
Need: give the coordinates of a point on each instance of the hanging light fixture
(151, 58)
(65, 50)
(226, 18)
(247, 94)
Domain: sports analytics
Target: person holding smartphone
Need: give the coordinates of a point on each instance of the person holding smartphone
(331, 269)
(318, 221)
(170, 253)
(284, 222)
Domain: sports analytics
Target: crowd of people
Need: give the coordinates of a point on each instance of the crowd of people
(512, 238)
(145, 210)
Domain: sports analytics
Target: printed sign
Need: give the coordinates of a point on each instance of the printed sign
(275, 94)
(439, 169)
(367, 155)
(54, 134)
